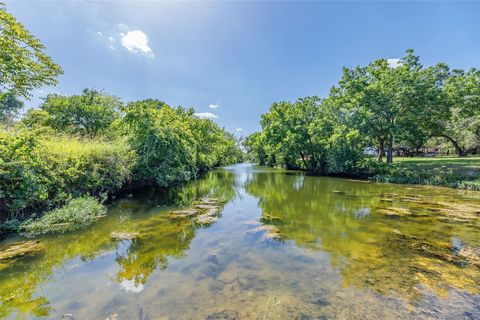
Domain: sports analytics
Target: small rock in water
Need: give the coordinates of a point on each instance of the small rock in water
(124, 235)
(205, 206)
(208, 201)
(224, 315)
(67, 315)
(472, 255)
(212, 258)
(18, 249)
(267, 231)
(184, 213)
(206, 219)
(394, 212)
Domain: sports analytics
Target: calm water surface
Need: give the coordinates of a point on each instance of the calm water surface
(285, 246)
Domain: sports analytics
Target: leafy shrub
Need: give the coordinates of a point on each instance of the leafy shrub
(76, 214)
(38, 173)
(10, 227)
(164, 144)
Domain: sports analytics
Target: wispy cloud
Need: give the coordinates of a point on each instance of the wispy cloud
(238, 129)
(206, 115)
(108, 40)
(213, 106)
(394, 62)
(137, 42)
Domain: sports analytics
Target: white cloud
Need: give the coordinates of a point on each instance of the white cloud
(213, 106)
(238, 129)
(136, 42)
(206, 115)
(394, 62)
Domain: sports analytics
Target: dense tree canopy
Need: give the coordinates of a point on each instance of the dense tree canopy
(389, 108)
(88, 114)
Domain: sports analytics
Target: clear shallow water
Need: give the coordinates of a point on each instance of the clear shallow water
(286, 246)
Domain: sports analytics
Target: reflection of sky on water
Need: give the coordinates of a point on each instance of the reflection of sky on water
(130, 286)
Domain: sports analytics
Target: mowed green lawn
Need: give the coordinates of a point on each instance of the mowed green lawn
(464, 166)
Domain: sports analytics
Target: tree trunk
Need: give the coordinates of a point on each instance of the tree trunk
(313, 156)
(303, 160)
(458, 150)
(381, 149)
(390, 149)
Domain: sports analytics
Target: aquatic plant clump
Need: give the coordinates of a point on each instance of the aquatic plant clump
(76, 214)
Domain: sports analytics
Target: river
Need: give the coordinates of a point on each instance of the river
(285, 246)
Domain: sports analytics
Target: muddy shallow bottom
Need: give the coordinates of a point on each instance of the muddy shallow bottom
(279, 245)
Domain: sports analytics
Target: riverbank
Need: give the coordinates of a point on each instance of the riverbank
(453, 172)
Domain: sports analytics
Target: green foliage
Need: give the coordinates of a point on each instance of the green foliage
(164, 144)
(90, 114)
(10, 227)
(173, 145)
(78, 213)
(310, 134)
(38, 172)
(401, 107)
(23, 64)
(255, 148)
(9, 107)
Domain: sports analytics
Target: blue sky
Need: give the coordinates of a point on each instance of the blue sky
(234, 59)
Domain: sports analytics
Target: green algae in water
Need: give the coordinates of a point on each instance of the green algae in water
(285, 246)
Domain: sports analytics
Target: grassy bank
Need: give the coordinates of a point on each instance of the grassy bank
(454, 172)
(39, 173)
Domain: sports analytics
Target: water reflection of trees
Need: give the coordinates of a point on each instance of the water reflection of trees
(337, 216)
(160, 239)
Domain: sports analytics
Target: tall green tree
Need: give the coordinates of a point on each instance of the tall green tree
(389, 102)
(88, 114)
(24, 65)
(461, 125)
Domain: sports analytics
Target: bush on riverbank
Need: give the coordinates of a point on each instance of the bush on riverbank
(78, 213)
(40, 172)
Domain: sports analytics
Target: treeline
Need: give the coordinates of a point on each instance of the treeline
(94, 144)
(389, 106)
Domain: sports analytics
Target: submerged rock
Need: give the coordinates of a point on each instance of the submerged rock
(224, 315)
(184, 213)
(270, 219)
(472, 255)
(443, 251)
(19, 249)
(208, 201)
(212, 258)
(205, 206)
(205, 219)
(204, 211)
(123, 235)
(266, 231)
(394, 212)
